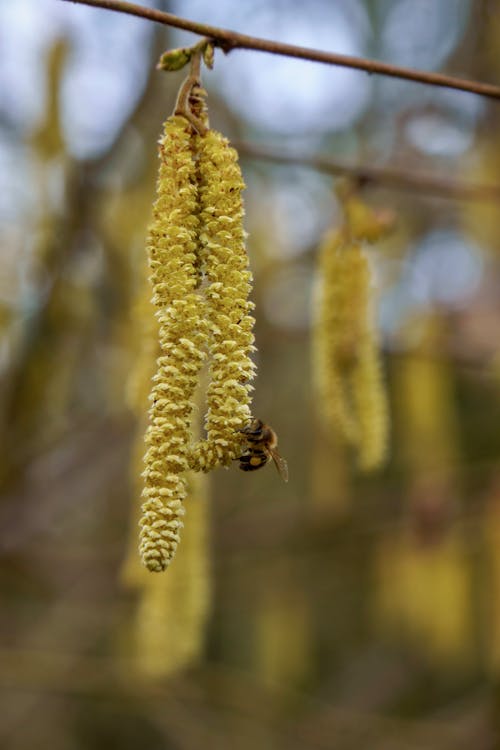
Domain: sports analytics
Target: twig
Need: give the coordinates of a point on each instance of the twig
(386, 177)
(229, 40)
(191, 93)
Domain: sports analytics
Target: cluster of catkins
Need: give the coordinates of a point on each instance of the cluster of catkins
(200, 283)
(345, 348)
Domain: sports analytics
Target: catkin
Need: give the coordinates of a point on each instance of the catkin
(332, 340)
(225, 263)
(201, 282)
(172, 251)
(347, 369)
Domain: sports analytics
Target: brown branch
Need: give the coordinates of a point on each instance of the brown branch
(383, 176)
(229, 40)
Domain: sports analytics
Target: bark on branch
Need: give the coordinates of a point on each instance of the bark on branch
(229, 40)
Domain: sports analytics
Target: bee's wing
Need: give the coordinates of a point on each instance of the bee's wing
(280, 464)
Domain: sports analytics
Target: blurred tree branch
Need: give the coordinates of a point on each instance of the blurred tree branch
(228, 40)
(383, 176)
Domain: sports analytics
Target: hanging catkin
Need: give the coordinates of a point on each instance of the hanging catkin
(172, 251)
(345, 348)
(201, 282)
(225, 263)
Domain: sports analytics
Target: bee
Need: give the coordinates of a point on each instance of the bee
(262, 442)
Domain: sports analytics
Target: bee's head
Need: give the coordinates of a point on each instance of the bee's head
(253, 428)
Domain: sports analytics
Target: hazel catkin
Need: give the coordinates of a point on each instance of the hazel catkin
(172, 252)
(347, 368)
(201, 282)
(228, 308)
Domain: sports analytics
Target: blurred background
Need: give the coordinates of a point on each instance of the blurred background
(338, 610)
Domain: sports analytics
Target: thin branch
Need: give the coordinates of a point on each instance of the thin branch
(383, 176)
(229, 40)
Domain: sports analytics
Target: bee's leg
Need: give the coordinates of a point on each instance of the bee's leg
(245, 464)
(254, 459)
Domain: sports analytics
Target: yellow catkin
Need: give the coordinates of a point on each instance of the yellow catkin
(339, 326)
(345, 348)
(364, 224)
(173, 258)
(368, 390)
(425, 408)
(327, 377)
(201, 283)
(422, 595)
(228, 278)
